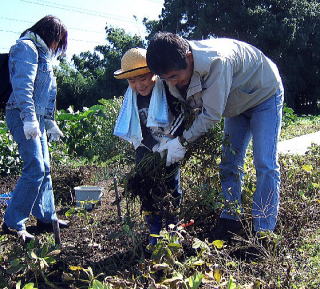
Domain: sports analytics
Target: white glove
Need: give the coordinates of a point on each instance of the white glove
(31, 129)
(158, 145)
(53, 131)
(176, 151)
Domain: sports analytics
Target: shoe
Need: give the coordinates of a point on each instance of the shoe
(247, 253)
(25, 236)
(154, 223)
(48, 226)
(225, 229)
(6, 229)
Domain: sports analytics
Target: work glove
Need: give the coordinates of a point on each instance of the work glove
(176, 151)
(31, 129)
(156, 147)
(53, 131)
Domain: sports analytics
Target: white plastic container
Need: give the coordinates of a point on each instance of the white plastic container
(87, 196)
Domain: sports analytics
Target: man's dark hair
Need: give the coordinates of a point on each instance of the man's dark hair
(51, 29)
(166, 52)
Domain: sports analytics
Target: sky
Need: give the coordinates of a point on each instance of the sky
(84, 19)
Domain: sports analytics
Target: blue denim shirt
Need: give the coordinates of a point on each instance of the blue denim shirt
(34, 86)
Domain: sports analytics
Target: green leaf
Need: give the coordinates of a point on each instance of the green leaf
(218, 244)
(172, 280)
(33, 255)
(16, 269)
(198, 263)
(174, 245)
(29, 286)
(199, 244)
(96, 284)
(195, 280)
(231, 284)
(54, 252)
(315, 185)
(70, 212)
(50, 260)
(232, 264)
(307, 168)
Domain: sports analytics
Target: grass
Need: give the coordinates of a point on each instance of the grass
(300, 126)
(309, 253)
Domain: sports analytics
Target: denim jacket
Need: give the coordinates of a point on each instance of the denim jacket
(34, 86)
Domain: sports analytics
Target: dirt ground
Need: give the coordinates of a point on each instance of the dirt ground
(95, 238)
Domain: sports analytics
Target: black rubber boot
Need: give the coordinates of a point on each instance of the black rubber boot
(23, 235)
(48, 226)
(225, 229)
(154, 223)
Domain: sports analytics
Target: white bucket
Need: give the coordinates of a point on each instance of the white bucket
(87, 196)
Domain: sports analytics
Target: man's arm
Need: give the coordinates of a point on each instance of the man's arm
(214, 99)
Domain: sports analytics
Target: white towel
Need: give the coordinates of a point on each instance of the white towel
(128, 122)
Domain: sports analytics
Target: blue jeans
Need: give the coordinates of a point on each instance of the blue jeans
(262, 123)
(33, 193)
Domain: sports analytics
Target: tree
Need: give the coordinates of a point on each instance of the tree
(90, 78)
(288, 31)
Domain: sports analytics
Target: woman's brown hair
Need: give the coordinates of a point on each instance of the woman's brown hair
(51, 29)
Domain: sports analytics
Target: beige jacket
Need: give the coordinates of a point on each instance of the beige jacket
(229, 78)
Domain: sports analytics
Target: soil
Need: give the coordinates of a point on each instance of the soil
(114, 247)
(95, 238)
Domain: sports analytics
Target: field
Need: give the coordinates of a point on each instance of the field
(102, 250)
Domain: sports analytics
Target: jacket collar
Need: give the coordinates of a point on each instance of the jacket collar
(38, 41)
(200, 69)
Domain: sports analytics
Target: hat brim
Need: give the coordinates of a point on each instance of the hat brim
(120, 74)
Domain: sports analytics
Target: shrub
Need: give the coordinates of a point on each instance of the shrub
(89, 133)
(10, 163)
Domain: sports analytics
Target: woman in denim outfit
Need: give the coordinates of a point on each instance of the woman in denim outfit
(30, 118)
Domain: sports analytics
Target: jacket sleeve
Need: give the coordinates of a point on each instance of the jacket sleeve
(216, 88)
(23, 70)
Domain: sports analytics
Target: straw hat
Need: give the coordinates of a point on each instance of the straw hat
(133, 63)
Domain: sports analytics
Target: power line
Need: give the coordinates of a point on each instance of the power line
(69, 28)
(14, 19)
(10, 31)
(73, 39)
(82, 40)
(78, 10)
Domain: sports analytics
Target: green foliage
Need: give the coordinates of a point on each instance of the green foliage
(90, 77)
(202, 190)
(89, 133)
(10, 163)
(310, 250)
(36, 259)
(288, 117)
(27, 286)
(78, 88)
(294, 126)
(182, 258)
